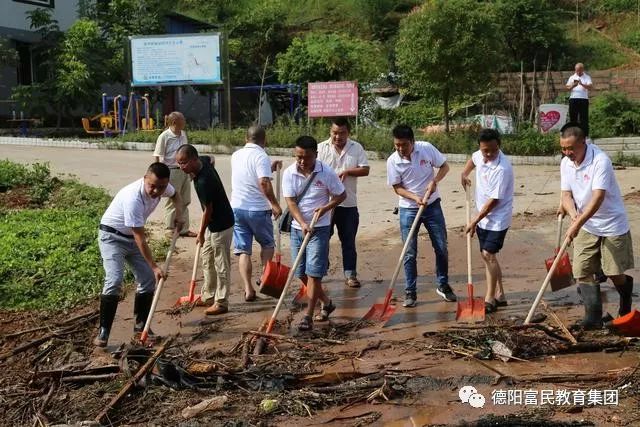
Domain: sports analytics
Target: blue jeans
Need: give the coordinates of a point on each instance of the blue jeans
(433, 220)
(346, 221)
(115, 251)
(315, 260)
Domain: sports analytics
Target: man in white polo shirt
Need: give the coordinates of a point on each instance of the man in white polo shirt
(253, 202)
(494, 202)
(122, 238)
(411, 173)
(324, 192)
(349, 160)
(579, 84)
(600, 228)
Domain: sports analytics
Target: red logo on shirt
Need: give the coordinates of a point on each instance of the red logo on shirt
(319, 183)
(423, 162)
(586, 178)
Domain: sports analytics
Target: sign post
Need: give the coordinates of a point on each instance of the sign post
(332, 99)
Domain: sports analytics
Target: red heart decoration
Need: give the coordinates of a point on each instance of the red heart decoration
(548, 119)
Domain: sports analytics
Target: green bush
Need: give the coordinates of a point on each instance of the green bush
(613, 114)
(632, 39)
(37, 178)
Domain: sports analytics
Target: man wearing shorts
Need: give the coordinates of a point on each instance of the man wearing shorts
(324, 193)
(494, 202)
(253, 203)
(599, 228)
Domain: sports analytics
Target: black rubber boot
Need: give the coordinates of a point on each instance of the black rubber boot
(108, 307)
(592, 301)
(141, 308)
(625, 292)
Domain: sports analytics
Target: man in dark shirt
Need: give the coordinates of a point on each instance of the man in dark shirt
(216, 228)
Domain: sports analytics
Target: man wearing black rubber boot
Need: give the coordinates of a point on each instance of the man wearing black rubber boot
(600, 228)
(122, 238)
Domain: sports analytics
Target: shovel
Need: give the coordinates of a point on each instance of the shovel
(547, 279)
(156, 295)
(627, 325)
(383, 312)
(192, 297)
(275, 273)
(260, 343)
(563, 277)
(472, 309)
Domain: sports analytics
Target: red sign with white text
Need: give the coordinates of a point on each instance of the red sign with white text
(330, 99)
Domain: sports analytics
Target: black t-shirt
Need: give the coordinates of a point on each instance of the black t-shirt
(210, 190)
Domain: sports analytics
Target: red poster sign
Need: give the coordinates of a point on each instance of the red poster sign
(330, 99)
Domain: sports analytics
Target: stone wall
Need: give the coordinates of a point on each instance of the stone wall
(508, 87)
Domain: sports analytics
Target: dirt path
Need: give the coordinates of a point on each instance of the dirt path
(400, 346)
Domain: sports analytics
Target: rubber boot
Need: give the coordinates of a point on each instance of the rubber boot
(625, 292)
(592, 301)
(108, 307)
(141, 308)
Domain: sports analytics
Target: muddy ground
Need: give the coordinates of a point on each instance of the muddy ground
(347, 372)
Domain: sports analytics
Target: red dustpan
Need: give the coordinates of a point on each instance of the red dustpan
(192, 297)
(563, 275)
(627, 325)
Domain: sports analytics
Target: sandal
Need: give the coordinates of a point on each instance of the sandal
(501, 303)
(326, 310)
(352, 282)
(188, 234)
(306, 324)
(250, 297)
(489, 307)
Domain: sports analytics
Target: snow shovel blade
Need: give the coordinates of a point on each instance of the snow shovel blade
(627, 325)
(563, 275)
(380, 312)
(192, 298)
(273, 279)
(470, 309)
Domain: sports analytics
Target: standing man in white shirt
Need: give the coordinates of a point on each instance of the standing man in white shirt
(411, 171)
(254, 203)
(579, 84)
(121, 239)
(494, 203)
(349, 160)
(167, 145)
(600, 228)
(324, 192)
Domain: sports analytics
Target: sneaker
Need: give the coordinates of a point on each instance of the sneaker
(446, 293)
(409, 301)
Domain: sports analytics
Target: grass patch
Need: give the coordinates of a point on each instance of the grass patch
(596, 51)
(49, 256)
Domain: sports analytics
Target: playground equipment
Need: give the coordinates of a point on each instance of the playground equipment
(110, 122)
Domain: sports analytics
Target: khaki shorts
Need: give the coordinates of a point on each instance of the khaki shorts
(614, 254)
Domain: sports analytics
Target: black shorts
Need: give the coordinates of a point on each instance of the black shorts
(491, 241)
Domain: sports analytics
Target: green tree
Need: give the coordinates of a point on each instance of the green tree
(530, 30)
(326, 57)
(448, 49)
(8, 55)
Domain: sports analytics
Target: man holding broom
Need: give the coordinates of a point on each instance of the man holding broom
(600, 228)
(324, 191)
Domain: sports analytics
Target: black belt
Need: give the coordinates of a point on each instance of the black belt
(174, 167)
(114, 231)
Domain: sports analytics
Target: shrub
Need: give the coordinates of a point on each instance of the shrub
(613, 114)
(632, 39)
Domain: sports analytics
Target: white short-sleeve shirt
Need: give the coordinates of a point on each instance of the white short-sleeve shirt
(248, 165)
(167, 145)
(579, 91)
(494, 180)
(596, 173)
(352, 156)
(325, 185)
(131, 207)
(415, 174)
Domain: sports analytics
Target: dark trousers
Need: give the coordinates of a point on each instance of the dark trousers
(346, 220)
(579, 112)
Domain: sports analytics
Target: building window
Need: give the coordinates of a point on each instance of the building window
(43, 3)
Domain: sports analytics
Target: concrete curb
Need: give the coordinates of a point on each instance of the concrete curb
(226, 149)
